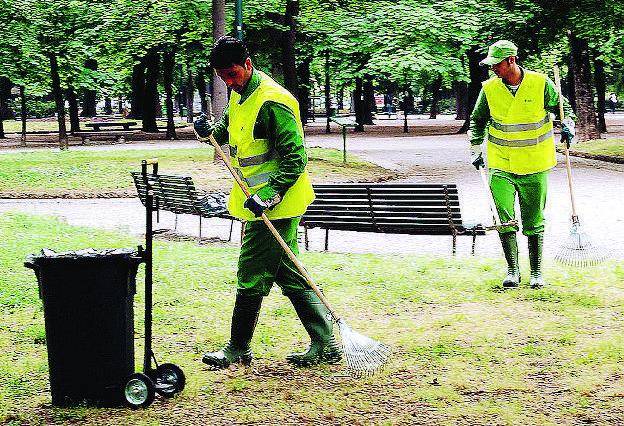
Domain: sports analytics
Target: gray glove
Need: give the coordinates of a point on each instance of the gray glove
(202, 126)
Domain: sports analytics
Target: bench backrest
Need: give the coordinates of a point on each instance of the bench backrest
(176, 194)
(394, 208)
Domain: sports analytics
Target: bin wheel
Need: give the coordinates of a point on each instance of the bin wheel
(169, 380)
(139, 391)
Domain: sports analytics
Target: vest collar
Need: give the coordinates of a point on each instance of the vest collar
(251, 86)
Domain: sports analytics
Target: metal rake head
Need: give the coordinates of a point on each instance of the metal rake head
(578, 249)
(364, 356)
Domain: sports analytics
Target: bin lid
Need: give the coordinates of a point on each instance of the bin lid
(47, 256)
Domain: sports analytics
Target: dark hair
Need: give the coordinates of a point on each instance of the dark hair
(228, 51)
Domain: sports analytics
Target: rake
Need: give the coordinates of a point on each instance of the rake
(364, 356)
(578, 249)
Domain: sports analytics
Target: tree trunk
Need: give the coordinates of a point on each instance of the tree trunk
(200, 80)
(570, 84)
(168, 66)
(327, 93)
(600, 93)
(138, 90)
(435, 95)
(108, 106)
(461, 93)
(359, 105)
(89, 98)
(587, 126)
(120, 106)
(369, 99)
(303, 77)
(74, 119)
(190, 93)
(1, 117)
(5, 93)
(24, 113)
(219, 90)
(340, 98)
(288, 48)
(152, 71)
(58, 99)
(477, 75)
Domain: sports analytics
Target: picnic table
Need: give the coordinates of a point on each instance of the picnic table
(344, 122)
(125, 125)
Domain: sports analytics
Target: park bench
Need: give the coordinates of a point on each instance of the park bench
(124, 125)
(416, 209)
(177, 194)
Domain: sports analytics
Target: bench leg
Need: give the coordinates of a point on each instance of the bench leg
(474, 242)
(200, 236)
(231, 227)
(326, 239)
(454, 244)
(175, 223)
(305, 238)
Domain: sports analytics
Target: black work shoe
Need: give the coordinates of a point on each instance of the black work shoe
(227, 356)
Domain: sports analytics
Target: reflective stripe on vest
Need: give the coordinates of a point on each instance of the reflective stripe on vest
(254, 180)
(521, 142)
(519, 127)
(256, 160)
(520, 132)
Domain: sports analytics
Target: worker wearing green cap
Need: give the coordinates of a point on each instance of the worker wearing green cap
(513, 113)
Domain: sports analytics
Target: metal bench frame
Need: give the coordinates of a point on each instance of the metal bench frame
(416, 209)
(176, 194)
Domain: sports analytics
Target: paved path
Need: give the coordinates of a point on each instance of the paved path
(420, 159)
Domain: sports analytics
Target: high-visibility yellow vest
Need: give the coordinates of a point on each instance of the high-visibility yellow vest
(520, 133)
(255, 160)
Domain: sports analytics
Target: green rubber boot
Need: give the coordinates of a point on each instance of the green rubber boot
(536, 244)
(244, 320)
(510, 248)
(314, 316)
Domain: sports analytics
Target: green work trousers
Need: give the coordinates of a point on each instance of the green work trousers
(263, 261)
(531, 190)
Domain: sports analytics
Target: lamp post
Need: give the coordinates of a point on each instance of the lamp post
(238, 19)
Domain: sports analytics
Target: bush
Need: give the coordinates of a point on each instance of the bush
(35, 107)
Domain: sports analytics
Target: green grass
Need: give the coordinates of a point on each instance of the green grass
(76, 173)
(611, 147)
(465, 352)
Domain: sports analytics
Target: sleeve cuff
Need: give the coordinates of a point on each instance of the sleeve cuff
(267, 193)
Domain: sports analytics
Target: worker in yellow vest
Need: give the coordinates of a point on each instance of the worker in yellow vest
(513, 113)
(263, 129)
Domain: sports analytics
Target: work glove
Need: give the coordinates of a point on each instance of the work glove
(476, 156)
(257, 205)
(202, 126)
(567, 131)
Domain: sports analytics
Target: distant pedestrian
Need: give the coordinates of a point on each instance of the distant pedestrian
(613, 100)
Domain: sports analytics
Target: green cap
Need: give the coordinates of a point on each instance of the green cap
(500, 51)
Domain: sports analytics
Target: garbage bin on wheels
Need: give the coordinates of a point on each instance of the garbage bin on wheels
(89, 322)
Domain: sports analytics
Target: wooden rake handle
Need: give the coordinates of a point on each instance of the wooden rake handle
(565, 147)
(269, 225)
